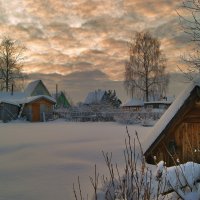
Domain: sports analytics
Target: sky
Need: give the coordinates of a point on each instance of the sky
(81, 45)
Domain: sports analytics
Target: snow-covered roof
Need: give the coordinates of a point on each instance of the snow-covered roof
(34, 98)
(7, 97)
(21, 98)
(9, 102)
(133, 102)
(169, 114)
(94, 97)
(30, 88)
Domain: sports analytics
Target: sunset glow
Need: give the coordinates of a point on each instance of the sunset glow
(89, 36)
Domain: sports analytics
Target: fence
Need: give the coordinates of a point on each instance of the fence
(120, 116)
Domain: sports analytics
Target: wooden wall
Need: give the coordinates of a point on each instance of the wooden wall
(182, 144)
(37, 110)
(181, 139)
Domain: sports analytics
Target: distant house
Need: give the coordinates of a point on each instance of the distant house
(35, 103)
(133, 105)
(164, 104)
(103, 97)
(176, 136)
(61, 100)
(96, 97)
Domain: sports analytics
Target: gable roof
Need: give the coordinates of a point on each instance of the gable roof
(133, 102)
(94, 97)
(169, 114)
(61, 100)
(32, 86)
(20, 98)
(35, 98)
(58, 94)
(25, 97)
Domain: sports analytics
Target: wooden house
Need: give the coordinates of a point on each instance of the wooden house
(176, 136)
(38, 104)
(133, 105)
(35, 103)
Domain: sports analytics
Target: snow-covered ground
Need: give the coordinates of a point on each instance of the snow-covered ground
(42, 160)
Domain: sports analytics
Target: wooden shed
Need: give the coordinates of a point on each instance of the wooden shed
(38, 108)
(176, 136)
(8, 111)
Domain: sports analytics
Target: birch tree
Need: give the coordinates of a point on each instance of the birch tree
(145, 74)
(10, 63)
(189, 15)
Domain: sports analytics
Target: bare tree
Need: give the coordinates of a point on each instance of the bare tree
(189, 17)
(10, 63)
(145, 74)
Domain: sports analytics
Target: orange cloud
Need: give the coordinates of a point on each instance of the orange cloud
(70, 36)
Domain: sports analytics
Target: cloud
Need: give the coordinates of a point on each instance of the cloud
(94, 75)
(81, 45)
(32, 30)
(66, 37)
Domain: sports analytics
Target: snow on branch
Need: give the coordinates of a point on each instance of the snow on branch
(183, 179)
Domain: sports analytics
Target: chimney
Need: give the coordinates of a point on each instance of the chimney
(12, 88)
(56, 91)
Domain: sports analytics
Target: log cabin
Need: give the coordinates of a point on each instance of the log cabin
(176, 136)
